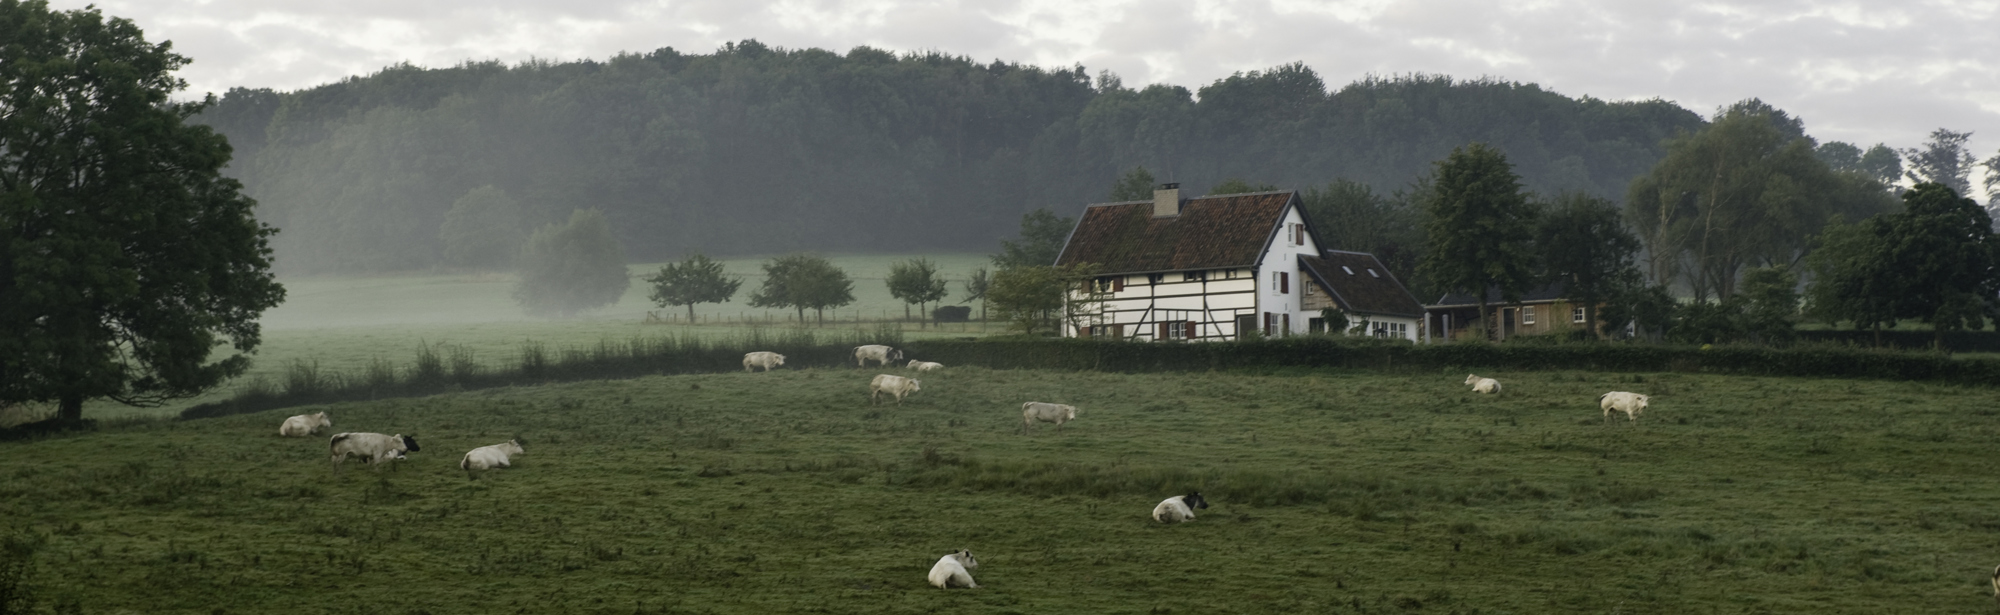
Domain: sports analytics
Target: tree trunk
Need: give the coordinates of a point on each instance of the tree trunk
(802, 315)
(690, 312)
(1485, 319)
(70, 409)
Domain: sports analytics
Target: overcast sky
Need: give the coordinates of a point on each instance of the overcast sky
(1863, 72)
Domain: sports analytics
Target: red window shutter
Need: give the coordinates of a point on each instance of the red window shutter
(1083, 331)
(1270, 323)
(1190, 329)
(1118, 284)
(1284, 283)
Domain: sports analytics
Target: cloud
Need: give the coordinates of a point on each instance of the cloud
(1864, 72)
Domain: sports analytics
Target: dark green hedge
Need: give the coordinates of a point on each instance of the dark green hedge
(1956, 341)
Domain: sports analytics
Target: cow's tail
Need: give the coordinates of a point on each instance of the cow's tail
(337, 438)
(1601, 397)
(465, 463)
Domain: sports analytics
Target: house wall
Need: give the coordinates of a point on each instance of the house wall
(1212, 299)
(1547, 317)
(1281, 255)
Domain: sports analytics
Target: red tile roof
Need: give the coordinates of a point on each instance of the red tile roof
(1211, 232)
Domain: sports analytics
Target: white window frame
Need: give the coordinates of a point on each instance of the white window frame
(1527, 314)
(1576, 314)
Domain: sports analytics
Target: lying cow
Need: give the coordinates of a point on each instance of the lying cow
(954, 570)
(1179, 508)
(1483, 385)
(893, 385)
(878, 353)
(766, 360)
(1038, 412)
(372, 448)
(925, 366)
(1632, 404)
(489, 457)
(304, 425)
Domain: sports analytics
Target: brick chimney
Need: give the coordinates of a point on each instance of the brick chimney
(1167, 200)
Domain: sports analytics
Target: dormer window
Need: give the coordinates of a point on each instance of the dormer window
(1346, 269)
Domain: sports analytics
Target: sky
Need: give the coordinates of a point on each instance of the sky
(1861, 72)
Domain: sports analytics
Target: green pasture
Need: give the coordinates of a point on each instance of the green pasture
(1334, 491)
(344, 323)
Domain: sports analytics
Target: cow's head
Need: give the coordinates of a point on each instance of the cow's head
(916, 386)
(1193, 500)
(409, 443)
(1071, 410)
(964, 556)
(895, 355)
(321, 417)
(1471, 378)
(513, 447)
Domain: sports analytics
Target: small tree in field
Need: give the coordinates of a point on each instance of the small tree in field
(1027, 296)
(916, 281)
(802, 282)
(572, 267)
(976, 288)
(695, 280)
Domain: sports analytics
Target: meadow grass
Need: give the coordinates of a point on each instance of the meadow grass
(1333, 491)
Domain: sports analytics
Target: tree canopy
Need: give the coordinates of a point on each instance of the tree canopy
(698, 279)
(1480, 227)
(1584, 246)
(1040, 242)
(126, 257)
(803, 282)
(917, 281)
(572, 267)
(1938, 261)
(1942, 160)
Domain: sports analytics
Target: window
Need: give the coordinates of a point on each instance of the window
(1391, 329)
(1576, 314)
(1281, 282)
(1528, 315)
(1371, 272)
(1297, 236)
(1270, 324)
(1109, 284)
(1155, 278)
(1177, 330)
(1194, 276)
(1349, 271)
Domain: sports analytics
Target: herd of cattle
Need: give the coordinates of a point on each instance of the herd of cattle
(952, 570)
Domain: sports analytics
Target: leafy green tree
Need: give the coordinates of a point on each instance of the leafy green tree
(572, 267)
(695, 280)
(1770, 305)
(1746, 190)
(1585, 246)
(1480, 228)
(1238, 186)
(126, 257)
(1938, 261)
(1029, 297)
(803, 282)
(483, 229)
(916, 281)
(976, 288)
(1943, 160)
(1852, 279)
(1040, 242)
(1135, 185)
(1878, 163)
(1992, 185)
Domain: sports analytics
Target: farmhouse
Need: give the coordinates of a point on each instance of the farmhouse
(1218, 267)
(1542, 310)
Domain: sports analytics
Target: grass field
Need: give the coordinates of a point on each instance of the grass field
(343, 323)
(787, 492)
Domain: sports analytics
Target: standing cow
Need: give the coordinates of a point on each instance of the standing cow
(881, 355)
(1038, 412)
(1632, 404)
(897, 386)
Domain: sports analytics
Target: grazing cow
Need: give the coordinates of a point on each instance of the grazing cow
(373, 448)
(880, 354)
(1996, 583)
(893, 385)
(954, 570)
(1034, 412)
(1632, 404)
(1483, 385)
(766, 360)
(1179, 508)
(304, 425)
(925, 366)
(488, 457)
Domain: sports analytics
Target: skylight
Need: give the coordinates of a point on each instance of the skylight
(1349, 271)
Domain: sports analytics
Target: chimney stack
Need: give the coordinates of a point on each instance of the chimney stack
(1167, 200)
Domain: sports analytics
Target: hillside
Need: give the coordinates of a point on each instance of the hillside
(753, 149)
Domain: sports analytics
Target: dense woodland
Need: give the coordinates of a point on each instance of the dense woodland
(753, 149)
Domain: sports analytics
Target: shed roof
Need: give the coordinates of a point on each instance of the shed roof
(1211, 232)
(1546, 293)
(1360, 284)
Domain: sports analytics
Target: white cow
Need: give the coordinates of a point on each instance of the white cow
(925, 366)
(304, 425)
(893, 385)
(766, 360)
(1483, 385)
(1179, 508)
(1034, 411)
(954, 570)
(372, 448)
(878, 353)
(488, 457)
(1632, 404)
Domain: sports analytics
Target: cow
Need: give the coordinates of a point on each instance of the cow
(304, 425)
(373, 448)
(1632, 404)
(954, 570)
(925, 366)
(766, 360)
(878, 353)
(1179, 508)
(893, 385)
(488, 457)
(1034, 412)
(1483, 385)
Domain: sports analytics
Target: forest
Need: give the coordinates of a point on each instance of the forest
(756, 150)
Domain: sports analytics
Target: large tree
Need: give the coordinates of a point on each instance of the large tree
(1942, 160)
(695, 280)
(803, 282)
(572, 267)
(1585, 246)
(1746, 190)
(1938, 260)
(916, 281)
(126, 258)
(1480, 228)
(1041, 240)
(1351, 216)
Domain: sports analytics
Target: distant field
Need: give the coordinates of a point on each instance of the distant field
(345, 322)
(786, 492)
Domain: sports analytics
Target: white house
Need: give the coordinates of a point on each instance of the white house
(1204, 268)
